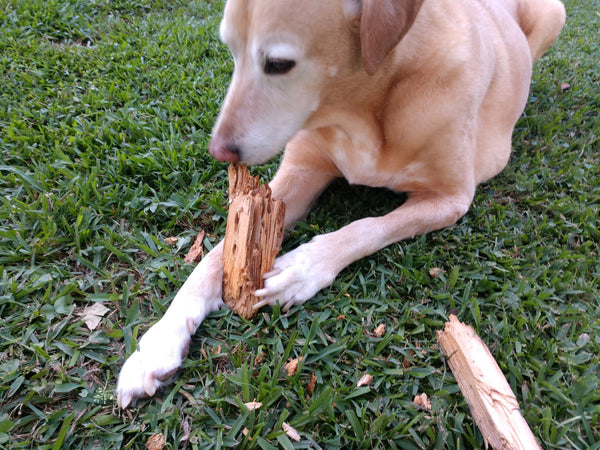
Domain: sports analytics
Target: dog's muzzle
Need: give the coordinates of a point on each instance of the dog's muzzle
(223, 152)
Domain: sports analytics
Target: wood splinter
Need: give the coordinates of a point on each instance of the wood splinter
(252, 239)
(489, 396)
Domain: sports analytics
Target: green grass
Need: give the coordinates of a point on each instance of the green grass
(105, 113)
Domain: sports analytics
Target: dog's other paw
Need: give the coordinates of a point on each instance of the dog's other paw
(298, 275)
(160, 354)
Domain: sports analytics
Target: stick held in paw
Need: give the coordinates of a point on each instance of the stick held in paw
(252, 239)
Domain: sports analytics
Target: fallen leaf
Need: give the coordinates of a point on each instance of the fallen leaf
(423, 401)
(259, 359)
(186, 430)
(583, 339)
(251, 406)
(312, 383)
(196, 251)
(379, 331)
(171, 240)
(156, 442)
(92, 315)
(435, 272)
(291, 432)
(292, 366)
(365, 380)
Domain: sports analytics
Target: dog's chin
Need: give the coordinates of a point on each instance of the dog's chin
(258, 157)
(243, 155)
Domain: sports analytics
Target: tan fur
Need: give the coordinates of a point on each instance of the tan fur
(417, 96)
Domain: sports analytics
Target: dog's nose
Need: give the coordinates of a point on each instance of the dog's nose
(222, 152)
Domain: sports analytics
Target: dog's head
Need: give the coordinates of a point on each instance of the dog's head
(287, 55)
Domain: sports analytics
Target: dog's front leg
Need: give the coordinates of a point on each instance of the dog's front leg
(162, 349)
(300, 274)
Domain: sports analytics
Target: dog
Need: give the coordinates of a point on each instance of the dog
(417, 96)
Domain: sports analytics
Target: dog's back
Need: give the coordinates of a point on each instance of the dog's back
(540, 20)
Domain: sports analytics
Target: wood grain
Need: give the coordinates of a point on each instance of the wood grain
(252, 239)
(489, 396)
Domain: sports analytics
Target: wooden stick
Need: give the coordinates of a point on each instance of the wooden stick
(252, 239)
(489, 396)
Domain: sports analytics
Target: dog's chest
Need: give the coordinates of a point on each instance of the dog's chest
(362, 161)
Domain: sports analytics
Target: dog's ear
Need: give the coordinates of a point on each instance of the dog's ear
(382, 24)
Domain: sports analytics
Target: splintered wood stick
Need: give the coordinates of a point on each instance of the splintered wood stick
(489, 396)
(252, 239)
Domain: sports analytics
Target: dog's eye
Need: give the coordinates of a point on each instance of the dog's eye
(278, 66)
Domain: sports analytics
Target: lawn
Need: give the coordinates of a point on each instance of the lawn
(105, 113)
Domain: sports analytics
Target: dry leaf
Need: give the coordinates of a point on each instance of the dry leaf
(379, 331)
(292, 366)
(186, 430)
(251, 406)
(291, 432)
(365, 380)
(435, 272)
(156, 442)
(92, 315)
(196, 251)
(312, 383)
(583, 339)
(171, 240)
(423, 401)
(259, 359)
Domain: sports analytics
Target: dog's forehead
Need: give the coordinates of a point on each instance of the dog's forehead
(264, 18)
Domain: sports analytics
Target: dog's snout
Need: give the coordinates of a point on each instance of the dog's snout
(223, 152)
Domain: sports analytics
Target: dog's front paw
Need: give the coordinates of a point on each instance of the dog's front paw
(297, 276)
(159, 356)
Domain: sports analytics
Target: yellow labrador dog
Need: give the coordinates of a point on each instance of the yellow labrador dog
(418, 96)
